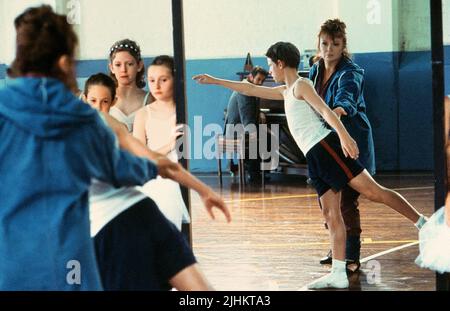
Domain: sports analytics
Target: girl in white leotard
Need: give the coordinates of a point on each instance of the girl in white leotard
(127, 69)
(155, 126)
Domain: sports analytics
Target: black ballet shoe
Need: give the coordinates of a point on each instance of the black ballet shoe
(327, 260)
(234, 169)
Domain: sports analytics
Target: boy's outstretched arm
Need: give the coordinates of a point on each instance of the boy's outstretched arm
(246, 88)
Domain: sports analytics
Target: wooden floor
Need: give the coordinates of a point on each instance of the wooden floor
(277, 237)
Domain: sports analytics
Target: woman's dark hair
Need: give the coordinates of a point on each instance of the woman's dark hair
(165, 60)
(285, 52)
(42, 38)
(101, 79)
(335, 28)
(133, 48)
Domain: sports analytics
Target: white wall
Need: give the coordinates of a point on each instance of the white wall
(446, 20)
(413, 24)
(224, 28)
(216, 29)
(2, 31)
(103, 22)
(369, 24)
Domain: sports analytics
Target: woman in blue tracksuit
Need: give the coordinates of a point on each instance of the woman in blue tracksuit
(52, 145)
(340, 83)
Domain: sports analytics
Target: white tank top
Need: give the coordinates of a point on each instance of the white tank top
(128, 120)
(305, 124)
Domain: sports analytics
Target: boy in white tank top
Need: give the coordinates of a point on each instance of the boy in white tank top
(331, 156)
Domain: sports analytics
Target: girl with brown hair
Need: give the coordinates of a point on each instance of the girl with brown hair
(127, 69)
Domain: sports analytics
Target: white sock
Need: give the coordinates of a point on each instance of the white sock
(336, 279)
(422, 221)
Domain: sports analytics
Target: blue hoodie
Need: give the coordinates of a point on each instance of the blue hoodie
(52, 145)
(346, 90)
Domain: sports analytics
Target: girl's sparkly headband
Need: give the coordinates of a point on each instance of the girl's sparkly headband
(126, 47)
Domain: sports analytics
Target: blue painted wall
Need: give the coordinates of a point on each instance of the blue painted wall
(415, 111)
(382, 106)
(397, 90)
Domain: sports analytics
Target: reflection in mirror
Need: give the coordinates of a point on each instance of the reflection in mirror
(390, 41)
(278, 240)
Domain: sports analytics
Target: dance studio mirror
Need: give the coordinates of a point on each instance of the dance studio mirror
(390, 40)
(277, 238)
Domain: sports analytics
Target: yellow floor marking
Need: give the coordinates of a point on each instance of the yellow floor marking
(291, 245)
(273, 198)
(302, 196)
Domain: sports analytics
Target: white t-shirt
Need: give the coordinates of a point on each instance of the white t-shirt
(305, 124)
(106, 202)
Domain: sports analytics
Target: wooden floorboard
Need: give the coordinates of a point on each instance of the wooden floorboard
(277, 237)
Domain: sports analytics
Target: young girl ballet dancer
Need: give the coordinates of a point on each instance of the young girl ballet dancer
(127, 69)
(155, 126)
(137, 248)
(331, 156)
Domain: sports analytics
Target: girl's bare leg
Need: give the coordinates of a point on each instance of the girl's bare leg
(191, 279)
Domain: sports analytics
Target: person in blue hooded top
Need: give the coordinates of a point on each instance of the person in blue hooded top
(340, 83)
(52, 145)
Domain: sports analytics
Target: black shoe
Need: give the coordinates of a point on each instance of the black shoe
(353, 248)
(234, 169)
(327, 260)
(352, 266)
(254, 177)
